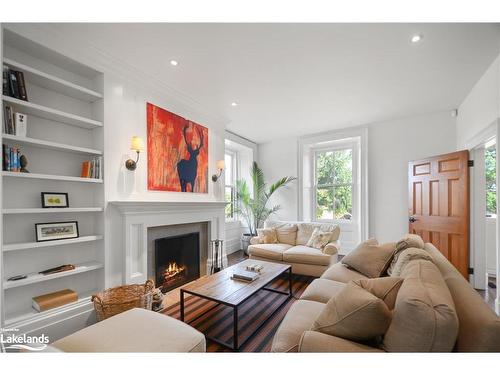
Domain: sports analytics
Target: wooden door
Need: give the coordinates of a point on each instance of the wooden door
(439, 205)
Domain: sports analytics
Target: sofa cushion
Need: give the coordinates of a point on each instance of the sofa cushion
(340, 272)
(355, 314)
(127, 332)
(424, 319)
(306, 255)
(305, 230)
(409, 240)
(286, 232)
(322, 290)
(370, 258)
(267, 235)
(479, 326)
(405, 256)
(298, 319)
(272, 251)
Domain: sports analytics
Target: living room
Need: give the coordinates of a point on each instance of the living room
(279, 187)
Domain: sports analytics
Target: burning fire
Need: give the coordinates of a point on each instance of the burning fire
(172, 270)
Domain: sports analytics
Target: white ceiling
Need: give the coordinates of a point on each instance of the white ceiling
(294, 79)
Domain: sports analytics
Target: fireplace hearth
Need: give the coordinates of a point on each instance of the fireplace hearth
(177, 260)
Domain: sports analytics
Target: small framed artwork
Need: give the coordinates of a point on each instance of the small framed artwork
(56, 231)
(55, 200)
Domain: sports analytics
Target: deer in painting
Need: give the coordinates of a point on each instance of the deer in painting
(188, 168)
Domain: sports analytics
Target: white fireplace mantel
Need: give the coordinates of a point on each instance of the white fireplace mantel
(138, 216)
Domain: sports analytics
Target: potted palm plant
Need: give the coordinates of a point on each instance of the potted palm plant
(253, 207)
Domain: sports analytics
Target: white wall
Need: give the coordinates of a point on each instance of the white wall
(480, 107)
(278, 159)
(391, 145)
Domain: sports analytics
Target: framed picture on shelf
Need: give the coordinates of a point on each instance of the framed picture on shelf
(55, 200)
(56, 231)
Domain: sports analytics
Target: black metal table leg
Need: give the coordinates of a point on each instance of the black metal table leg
(235, 328)
(290, 282)
(182, 305)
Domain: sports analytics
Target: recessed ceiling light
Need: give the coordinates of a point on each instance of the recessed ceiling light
(416, 38)
(234, 104)
(174, 62)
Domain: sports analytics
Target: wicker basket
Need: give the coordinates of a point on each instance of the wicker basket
(122, 298)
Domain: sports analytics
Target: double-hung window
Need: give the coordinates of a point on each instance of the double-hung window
(230, 159)
(333, 184)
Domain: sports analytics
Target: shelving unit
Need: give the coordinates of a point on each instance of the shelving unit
(65, 110)
(26, 315)
(18, 211)
(50, 145)
(41, 176)
(38, 278)
(52, 82)
(34, 245)
(51, 114)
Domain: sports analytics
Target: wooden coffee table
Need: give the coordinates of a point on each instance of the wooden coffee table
(223, 290)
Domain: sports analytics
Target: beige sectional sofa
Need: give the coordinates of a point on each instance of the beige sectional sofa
(291, 247)
(435, 306)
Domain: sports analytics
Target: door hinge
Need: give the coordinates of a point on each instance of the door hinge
(470, 163)
(470, 270)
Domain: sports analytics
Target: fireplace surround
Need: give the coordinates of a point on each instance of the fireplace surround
(141, 217)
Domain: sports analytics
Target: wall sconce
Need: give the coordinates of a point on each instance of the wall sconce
(220, 167)
(136, 145)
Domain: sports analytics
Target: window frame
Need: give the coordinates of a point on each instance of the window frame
(235, 176)
(355, 181)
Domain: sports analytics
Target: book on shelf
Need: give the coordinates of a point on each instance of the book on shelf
(244, 275)
(92, 168)
(5, 81)
(53, 300)
(8, 120)
(11, 159)
(13, 84)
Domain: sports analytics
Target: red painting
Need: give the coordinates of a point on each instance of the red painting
(177, 152)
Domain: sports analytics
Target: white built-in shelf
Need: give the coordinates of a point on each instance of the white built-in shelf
(53, 83)
(40, 143)
(41, 176)
(52, 114)
(37, 277)
(20, 316)
(34, 245)
(15, 211)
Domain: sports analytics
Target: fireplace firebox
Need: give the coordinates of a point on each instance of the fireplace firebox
(177, 260)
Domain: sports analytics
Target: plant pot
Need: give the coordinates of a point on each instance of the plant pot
(245, 242)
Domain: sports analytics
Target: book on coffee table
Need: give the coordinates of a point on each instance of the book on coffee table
(243, 275)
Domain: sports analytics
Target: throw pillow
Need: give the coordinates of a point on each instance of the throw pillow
(354, 314)
(286, 232)
(385, 288)
(267, 235)
(409, 240)
(405, 256)
(370, 258)
(319, 239)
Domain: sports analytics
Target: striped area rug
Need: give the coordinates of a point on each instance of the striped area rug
(219, 321)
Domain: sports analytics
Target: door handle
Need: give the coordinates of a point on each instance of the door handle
(412, 219)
